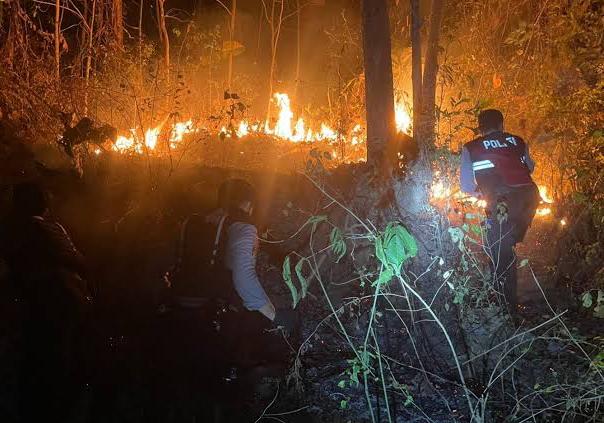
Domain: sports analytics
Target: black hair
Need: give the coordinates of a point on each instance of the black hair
(29, 199)
(233, 192)
(490, 119)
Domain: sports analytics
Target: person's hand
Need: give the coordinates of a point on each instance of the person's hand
(286, 319)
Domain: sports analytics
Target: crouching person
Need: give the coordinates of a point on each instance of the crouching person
(217, 262)
(46, 269)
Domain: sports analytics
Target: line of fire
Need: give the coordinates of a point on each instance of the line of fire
(301, 211)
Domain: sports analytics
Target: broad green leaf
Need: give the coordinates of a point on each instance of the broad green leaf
(342, 384)
(343, 404)
(303, 280)
(287, 277)
(394, 247)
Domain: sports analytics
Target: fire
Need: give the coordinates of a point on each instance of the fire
(544, 197)
(151, 136)
(179, 130)
(283, 128)
(402, 118)
(287, 128)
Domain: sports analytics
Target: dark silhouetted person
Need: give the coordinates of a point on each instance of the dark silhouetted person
(497, 166)
(47, 270)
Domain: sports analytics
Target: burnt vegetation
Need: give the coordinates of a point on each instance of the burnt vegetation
(348, 117)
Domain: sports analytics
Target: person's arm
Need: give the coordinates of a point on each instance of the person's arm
(528, 161)
(241, 259)
(61, 247)
(466, 174)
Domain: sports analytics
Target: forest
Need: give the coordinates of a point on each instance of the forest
(423, 181)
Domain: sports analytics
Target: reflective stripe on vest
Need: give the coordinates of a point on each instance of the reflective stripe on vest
(482, 164)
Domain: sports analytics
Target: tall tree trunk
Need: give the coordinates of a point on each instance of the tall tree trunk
(118, 23)
(89, 54)
(140, 38)
(163, 30)
(232, 38)
(298, 50)
(416, 64)
(275, 34)
(379, 92)
(426, 128)
(57, 40)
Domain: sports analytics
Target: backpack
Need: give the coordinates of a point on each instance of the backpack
(199, 271)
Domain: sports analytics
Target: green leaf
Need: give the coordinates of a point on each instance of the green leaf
(303, 280)
(394, 247)
(523, 263)
(385, 277)
(287, 277)
(342, 384)
(587, 300)
(343, 404)
(338, 245)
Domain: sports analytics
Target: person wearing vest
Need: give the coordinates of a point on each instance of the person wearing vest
(497, 167)
(257, 314)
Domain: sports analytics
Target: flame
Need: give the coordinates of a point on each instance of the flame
(179, 130)
(563, 222)
(285, 128)
(243, 129)
(151, 136)
(544, 197)
(402, 118)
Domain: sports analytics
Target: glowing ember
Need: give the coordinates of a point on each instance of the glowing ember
(563, 222)
(544, 211)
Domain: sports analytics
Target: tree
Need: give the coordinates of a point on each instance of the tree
(379, 92)
(424, 87)
(57, 39)
(118, 23)
(275, 21)
(232, 39)
(163, 34)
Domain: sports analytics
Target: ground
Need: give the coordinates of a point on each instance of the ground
(125, 215)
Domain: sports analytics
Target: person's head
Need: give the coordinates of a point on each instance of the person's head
(490, 120)
(236, 196)
(30, 199)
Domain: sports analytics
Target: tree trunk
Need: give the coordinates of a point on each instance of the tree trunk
(118, 23)
(232, 38)
(298, 51)
(89, 54)
(426, 127)
(379, 93)
(416, 63)
(163, 31)
(58, 40)
(140, 39)
(275, 33)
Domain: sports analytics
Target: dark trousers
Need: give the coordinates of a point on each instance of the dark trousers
(510, 213)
